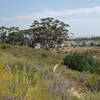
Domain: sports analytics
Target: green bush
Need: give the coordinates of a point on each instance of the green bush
(5, 46)
(44, 55)
(80, 62)
(96, 68)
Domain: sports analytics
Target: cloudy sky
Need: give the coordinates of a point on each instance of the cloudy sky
(83, 16)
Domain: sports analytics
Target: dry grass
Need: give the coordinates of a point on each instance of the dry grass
(26, 72)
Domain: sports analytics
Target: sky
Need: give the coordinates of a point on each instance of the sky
(83, 16)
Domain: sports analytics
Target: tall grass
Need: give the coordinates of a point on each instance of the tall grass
(26, 74)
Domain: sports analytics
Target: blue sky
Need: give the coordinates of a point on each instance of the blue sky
(82, 15)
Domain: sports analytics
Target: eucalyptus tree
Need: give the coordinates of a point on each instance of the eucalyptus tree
(11, 35)
(3, 34)
(49, 32)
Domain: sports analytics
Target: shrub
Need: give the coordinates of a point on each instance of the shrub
(80, 62)
(90, 96)
(96, 68)
(5, 46)
(44, 55)
(92, 44)
(84, 43)
(92, 82)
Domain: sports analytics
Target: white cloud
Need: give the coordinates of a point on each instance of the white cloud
(81, 25)
(84, 27)
(46, 13)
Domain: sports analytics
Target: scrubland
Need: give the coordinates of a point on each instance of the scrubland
(30, 74)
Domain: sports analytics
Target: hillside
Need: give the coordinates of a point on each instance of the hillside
(38, 74)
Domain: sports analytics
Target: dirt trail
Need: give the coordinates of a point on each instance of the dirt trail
(72, 91)
(55, 67)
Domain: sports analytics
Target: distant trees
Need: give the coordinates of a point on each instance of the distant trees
(11, 35)
(48, 32)
(3, 34)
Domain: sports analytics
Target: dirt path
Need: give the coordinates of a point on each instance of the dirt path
(55, 67)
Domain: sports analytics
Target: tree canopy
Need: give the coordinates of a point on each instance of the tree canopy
(48, 32)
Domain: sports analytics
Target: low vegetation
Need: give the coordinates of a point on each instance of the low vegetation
(80, 62)
(27, 74)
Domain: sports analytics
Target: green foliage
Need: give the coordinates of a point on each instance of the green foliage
(44, 55)
(96, 68)
(92, 82)
(84, 43)
(5, 46)
(80, 62)
(48, 32)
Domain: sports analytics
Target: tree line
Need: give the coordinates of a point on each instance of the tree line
(48, 32)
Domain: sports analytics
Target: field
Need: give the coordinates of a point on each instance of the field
(38, 74)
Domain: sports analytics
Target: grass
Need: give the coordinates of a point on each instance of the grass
(27, 73)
